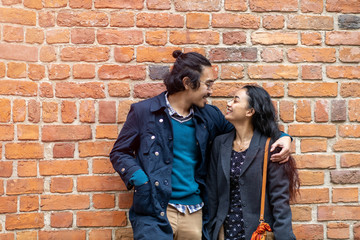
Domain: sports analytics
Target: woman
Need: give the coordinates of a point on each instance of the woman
(235, 172)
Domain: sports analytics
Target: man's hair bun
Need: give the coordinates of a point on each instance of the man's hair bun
(176, 53)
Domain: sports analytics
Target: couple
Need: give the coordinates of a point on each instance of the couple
(163, 151)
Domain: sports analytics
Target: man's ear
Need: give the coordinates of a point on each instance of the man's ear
(186, 82)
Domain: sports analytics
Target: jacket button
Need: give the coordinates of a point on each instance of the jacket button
(152, 137)
(166, 182)
(156, 153)
(123, 170)
(161, 120)
(157, 183)
(162, 214)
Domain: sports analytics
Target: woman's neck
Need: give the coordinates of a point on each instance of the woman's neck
(244, 134)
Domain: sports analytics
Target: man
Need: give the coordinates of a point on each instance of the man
(162, 152)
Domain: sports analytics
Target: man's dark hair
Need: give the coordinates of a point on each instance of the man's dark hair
(188, 65)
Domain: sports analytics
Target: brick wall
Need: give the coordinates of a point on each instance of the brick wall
(69, 70)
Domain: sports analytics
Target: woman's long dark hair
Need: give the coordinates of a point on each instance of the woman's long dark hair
(186, 65)
(265, 121)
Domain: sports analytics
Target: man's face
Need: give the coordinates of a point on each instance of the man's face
(199, 96)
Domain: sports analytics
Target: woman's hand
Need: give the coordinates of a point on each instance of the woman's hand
(283, 143)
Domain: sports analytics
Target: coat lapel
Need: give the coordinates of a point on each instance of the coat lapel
(225, 154)
(251, 152)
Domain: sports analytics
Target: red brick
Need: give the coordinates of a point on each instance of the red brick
(5, 169)
(124, 234)
(275, 89)
(69, 18)
(117, 72)
(345, 195)
(26, 235)
(308, 231)
(63, 235)
(84, 71)
(349, 54)
(63, 150)
(63, 167)
(301, 213)
(24, 186)
(336, 213)
(47, 54)
(99, 148)
(68, 111)
(102, 165)
(338, 231)
(315, 161)
(159, 20)
(24, 221)
(354, 110)
(325, 89)
(230, 20)
(342, 38)
(8, 204)
(349, 72)
(350, 160)
(46, 19)
(18, 16)
(267, 38)
(18, 88)
(29, 203)
(338, 110)
(321, 111)
(125, 54)
(101, 219)
(272, 6)
(80, 4)
(80, 90)
(297, 55)
(343, 6)
(273, 72)
(50, 112)
(54, 36)
(313, 195)
(1, 187)
(101, 234)
(148, 90)
(101, 201)
(46, 90)
(119, 37)
(61, 185)
(233, 54)
(233, 72)
(272, 55)
(2, 69)
(122, 4)
(24, 150)
(155, 54)
(357, 231)
(123, 110)
(106, 131)
(343, 145)
(226, 89)
(55, 3)
(286, 111)
(10, 2)
(107, 111)
(313, 145)
(16, 70)
(303, 111)
(311, 39)
(273, 21)
(34, 35)
(306, 22)
(195, 5)
(18, 52)
(36, 72)
(87, 111)
(234, 37)
(100, 183)
(59, 71)
(34, 111)
(7, 132)
(312, 130)
(125, 199)
(311, 72)
(86, 54)
(197, 20)
(345, 176)
(82, 36)
(119, 89)
(236, 5)
(198, 37)
(5, 110)
(156, 38)
(61, 219)
(122, 19)
(27, 169)
(311, 178)
(312, 6)
(64, 202)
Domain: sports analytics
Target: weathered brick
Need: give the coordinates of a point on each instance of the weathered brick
(350, 145)
(106, 131)
(307, 22)
(84, 71)
(349, 54)
(80, 4)
(63, 150)
(100, 183)
(6, 169)
(303, 111)
(198, 37)
(233, 72)
(338, 110)
(354, 110)
(122, 4)
(27, 168)
(80, 90)
(107, 112)
(343, 6)
(342, 38)
(148, 90)
(349, 22)
(64, 202)
(63, 167)
(124, 54)
(8, 204)
(29, 203)
(119, 37)
(338, 231)
(7, 132)
(24, 150)
(234, 37)
(274, 6)
(125, 199)
(345, 176)
(273, 21)
(311, 178)
(155, 54)
(233, 54)
(267, 38)
(47, 54)
(18, 52)
(349, 72)
(313, 145)
(36, 72)
(357, 231)
(272, 55)
(286, 111)
(345, 195)
(159, 20)
(24, 221)
(157, 72)
(34, 35)
(197, 20)
(59, 71)
(61, 185)
(311, 38)
(102, 201)
(46, 90)
(296, 55)
(124, 233)
(82, 36)
(87, 111)
(101, 219)
(70, 18)
(5, 109)
(226, 89)
(87, 54)
(24, 186)
(104, 234)
(16, 70)
(61, 219)
(312, 6)
(13, 34)
(273, 72)
(196, 5)
(119, 89)
(336, 213)
(230, 20)
(102, 165)
(311, 72)
(26, 235)
(63, 235)
(55, 4)
(54, 36)
(68, 111)
(122, 19)
(116, 72)
(18, 88)
(325, 89)
(99, 148)
(313, 195)
(158, 4)
(18, 16)
(301, 213)
(34, 111)
(235, 5)
(308, 231)
(312, 130)
(350, 160)
(322, 110)
(46, 19)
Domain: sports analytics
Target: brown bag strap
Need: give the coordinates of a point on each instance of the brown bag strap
(264, 181)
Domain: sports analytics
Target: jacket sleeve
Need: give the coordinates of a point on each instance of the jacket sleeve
(278, 189)
(122, 156)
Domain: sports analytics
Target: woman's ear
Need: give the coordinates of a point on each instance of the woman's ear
(250, 112)
(186, 82)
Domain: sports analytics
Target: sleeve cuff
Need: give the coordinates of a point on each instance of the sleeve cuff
(285, 135)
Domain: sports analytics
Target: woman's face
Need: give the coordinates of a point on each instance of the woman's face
(238, 108)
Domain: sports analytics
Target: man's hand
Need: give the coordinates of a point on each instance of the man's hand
(283, 156)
